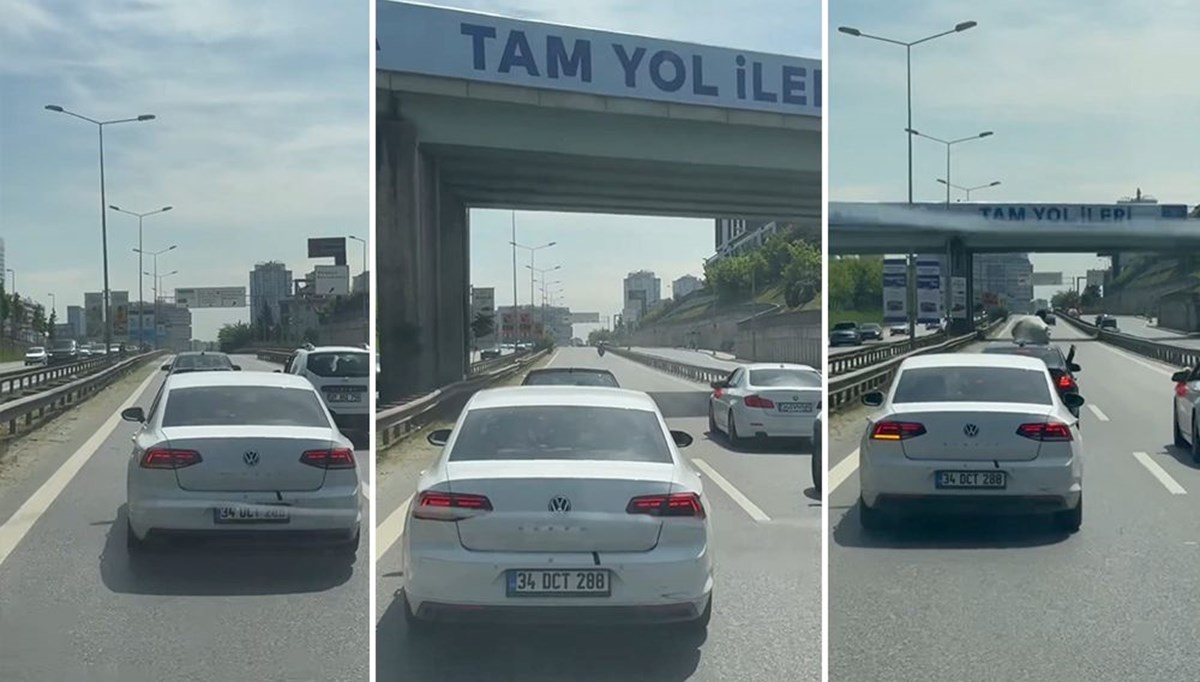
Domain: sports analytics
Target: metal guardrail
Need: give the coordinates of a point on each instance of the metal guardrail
(846, 389)
(30, 409)
(1155, 350)
(841, 363)
(21, 379)
(705, 375)
(394, 423)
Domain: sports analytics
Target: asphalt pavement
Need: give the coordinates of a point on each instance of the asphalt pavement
(1148, 329)
(766, 622)
(72, 607)
(921, 331)
(980, 599)
(699, 358)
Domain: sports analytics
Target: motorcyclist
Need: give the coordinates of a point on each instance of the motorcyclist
(600, 348)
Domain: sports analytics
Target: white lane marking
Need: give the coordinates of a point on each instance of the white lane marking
(553, 356)
(843, 470)
(1161, 474)
(1096, 411)
(388, 532)
(742, 501)
(20, 523)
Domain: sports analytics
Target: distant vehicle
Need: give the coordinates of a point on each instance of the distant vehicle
(227, 453)
(98, 349)
(1073, 312)
(489, 353)
(765, 400)
(63, 351)
(1186, 412)
(83, 350)
(36, 355)
(590, 482)
(962, 432)
(1108, 322)
(200, 361)
(570, 376)
(845, 334)
(871, 331)
(115, 348)
(898, 329)
(342, 376)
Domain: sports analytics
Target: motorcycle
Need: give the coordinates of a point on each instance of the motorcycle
(600, 350)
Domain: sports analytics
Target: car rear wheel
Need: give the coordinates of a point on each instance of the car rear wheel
(1070, 520)
(734, 438)
(1180, 441)
(1195, 441)
(872, 520)
(712, 420)
(818, 464)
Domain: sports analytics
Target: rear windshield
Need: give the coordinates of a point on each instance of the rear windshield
(347, 364)
(243, 406)
(64, 345)
(972, 384)
(561, 432)
(784, 378)
(577, 378)
(201, 362)
(843, 326)
(1050, 356)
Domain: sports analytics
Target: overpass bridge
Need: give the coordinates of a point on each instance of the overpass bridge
(480, 111)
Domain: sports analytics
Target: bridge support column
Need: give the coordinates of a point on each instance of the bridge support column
(422, 273)
(959, 263)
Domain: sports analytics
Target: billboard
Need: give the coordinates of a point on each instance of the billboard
(895, 290)
(483, 302)
(929, 290)
(211, 297)
(328, 247)
(958, 298)
(331, 280)
(1047, 279)
(583, 318)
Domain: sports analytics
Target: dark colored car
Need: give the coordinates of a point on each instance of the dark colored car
(1062, 367)
(63, 351)
(570, 376)
(1107, 322)
(201, 361)
(489, 353)
(871, 331)
(845, 334)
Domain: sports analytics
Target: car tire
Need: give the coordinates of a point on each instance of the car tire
(712, 420)
(1180, 441)
(872, 520)
(1069, 521)
(1195, 441)
(734, 439)
(818, 463)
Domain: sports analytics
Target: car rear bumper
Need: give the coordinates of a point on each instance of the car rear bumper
(654, 586)
(1032, 487)
(333, 512)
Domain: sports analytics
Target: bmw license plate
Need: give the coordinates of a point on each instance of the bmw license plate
(265, 513)
(796, 407)
(568, 583)
(972, 479)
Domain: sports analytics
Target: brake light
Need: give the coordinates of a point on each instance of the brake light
(164, 458)
(897, 430)
(1065, 383)
(678, 504)
(1181, 389)
(718, 392)
(1045, 431)
(340, 458)
(440, 506)
(758, 401)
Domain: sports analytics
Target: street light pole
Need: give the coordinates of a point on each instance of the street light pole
(103, 213)
(542, 272)
(949, 144)
(157, 289)
(532, 251)
(968, 190)
(140, 216)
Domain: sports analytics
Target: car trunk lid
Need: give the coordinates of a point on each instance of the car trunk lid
(249, 458)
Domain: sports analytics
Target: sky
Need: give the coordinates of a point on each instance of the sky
(1088, 102)
(597, 251)
(261, 140)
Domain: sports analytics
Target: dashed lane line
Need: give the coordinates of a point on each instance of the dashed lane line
(388, 532)
(732, 491)
(843, 470)
(1096, 411)
(1161, 474)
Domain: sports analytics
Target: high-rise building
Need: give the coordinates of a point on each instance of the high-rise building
(642, 290)
(685, 285)
(3, 267)
(270, 283)
(1004, 279)
(76, 321)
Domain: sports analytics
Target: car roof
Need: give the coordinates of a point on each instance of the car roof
(778, 365)
(588, 396)
(973, 360)
(336, 349)
(569, 370)
(1040, 349)
(266, 379)
(193, 353)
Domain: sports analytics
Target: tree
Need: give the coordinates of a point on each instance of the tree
(52, 325)
(266, 320)
(39, 319)
(1090, 297)
(1067, 298)
(483, 325)
(597, 335)
(233, 337)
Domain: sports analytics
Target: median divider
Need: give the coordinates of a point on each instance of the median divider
(22, 379)
(394, 423)
(845, 389)
(704, 375)
(843, 363)
(24, 413)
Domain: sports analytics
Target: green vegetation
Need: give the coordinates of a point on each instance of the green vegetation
(235, 337)
(856, 289)
(1070, 299)
(786, 264)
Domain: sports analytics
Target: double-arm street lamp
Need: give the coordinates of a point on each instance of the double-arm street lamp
(140, 216)
(968, 190)
(949, 144)
(157, 289)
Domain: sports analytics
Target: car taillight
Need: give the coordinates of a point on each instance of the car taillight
(1181, 389)
(1065, 383)
(758, 401)
(340, 458)
(717, 392)
(678, 504)
(1045, 431)
(164, 458)
(897, 430)
(440, 506)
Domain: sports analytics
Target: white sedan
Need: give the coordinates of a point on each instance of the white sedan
(228, 454)
(559, 504)
(766, 399)
(972, 432)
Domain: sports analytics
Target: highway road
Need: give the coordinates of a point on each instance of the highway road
(699, 358)
(72, 607)
(966, 599)
(921, 331)
(6, 367)
(766, 622)
(1141, 327)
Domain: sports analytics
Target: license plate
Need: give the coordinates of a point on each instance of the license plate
(251, 514)
(795, 407)
(972, 479)
(344, 397)
(569, 583)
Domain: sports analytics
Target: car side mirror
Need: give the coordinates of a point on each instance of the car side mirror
(873, 399)
(1181, 376)
(1073, 367)
(237, 368)
(133, 414)
(166, 367)
(719, 384)
(1073, 401)
(439, 437)
(682, 439)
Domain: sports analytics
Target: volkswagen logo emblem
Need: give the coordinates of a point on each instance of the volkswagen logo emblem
(970, 430)
(250, 457)
(559, 504)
